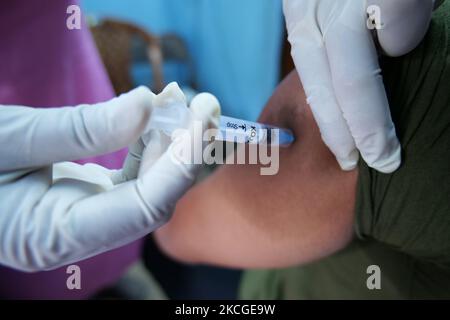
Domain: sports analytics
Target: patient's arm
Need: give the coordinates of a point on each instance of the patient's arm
(238, 218)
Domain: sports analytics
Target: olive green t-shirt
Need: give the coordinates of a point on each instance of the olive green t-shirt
(402, 220)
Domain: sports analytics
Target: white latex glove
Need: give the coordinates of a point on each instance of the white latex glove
(56, 214)
(336, 58)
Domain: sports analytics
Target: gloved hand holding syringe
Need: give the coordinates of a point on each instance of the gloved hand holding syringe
(55, 212)
(177, 116)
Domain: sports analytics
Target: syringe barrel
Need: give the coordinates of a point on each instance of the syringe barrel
(250, 132)
(178, 116)
(170, 118)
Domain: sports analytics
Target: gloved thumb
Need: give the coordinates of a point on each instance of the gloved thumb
(206, 108)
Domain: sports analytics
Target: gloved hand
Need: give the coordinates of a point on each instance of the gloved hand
(170, 95)
(56, 214)
(337, 61)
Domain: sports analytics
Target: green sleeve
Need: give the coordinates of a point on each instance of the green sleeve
(410, 209)
(402, 219)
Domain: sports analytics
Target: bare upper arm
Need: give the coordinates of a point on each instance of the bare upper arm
(238, 218)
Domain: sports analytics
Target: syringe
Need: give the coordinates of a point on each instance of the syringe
(177, 116)
(237, 130)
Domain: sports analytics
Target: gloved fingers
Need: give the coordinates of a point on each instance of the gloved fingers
(83, 219)
(130, 169)
(91, 173)
(360, 90)
(171, 94)
(186, 146)
(175, 171)
(311, 61)
(164, 179)
(37, 137)
(205, 112)
(78, 214)
(157, 144)
(106, 221)
(403, 24)
(206, 108)
(110, 219)
(135, 158)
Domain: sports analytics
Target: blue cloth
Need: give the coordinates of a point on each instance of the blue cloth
(235, 44)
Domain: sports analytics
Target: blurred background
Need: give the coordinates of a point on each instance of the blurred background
(231, 47)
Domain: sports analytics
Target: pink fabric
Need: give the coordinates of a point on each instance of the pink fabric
(43, 64)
